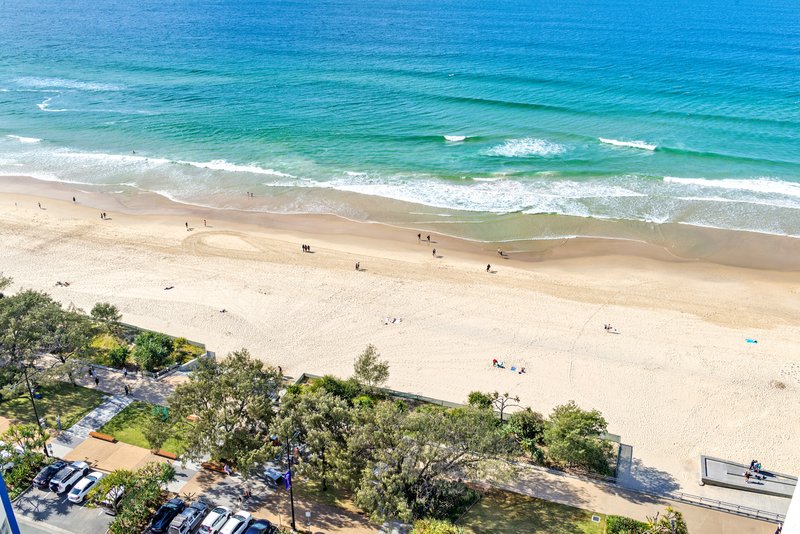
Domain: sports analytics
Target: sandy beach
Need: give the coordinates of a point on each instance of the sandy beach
(676, 380)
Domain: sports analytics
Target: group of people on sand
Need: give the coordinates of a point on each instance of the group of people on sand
(306, 248)
(502, 365)
(610, 329)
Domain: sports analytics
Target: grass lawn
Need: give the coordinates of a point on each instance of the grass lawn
(312, 491)
(127, 426)
(500, 511)
(72, 402)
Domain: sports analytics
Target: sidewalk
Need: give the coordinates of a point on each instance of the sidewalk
(77, 433)
(141, 388)
(557, 487)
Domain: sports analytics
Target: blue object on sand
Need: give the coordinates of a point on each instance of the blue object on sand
(513, 368)
(751, 340)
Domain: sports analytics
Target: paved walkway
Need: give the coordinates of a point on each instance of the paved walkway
(141, 388)
(77, 433)
(558, 487)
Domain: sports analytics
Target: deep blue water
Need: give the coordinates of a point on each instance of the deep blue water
(698, 102)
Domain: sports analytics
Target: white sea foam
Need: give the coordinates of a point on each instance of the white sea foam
(222, 165)
(455, 138)
(756, 185)
(492, 179)
(629, 144)
(29, 140)
(44, 105)
(526, 147)
(37, 82)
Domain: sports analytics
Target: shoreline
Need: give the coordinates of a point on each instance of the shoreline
(678, 381)
(668, 242)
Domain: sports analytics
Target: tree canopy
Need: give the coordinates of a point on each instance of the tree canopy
(369, 369)
(233, 402)
(572, 436)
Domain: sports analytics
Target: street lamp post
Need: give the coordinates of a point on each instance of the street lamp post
(33, 403)
(291, 491)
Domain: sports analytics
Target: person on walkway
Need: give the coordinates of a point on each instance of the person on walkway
(127, 390)
(227, 469)
(96, 381)
(125, 373)
(58, 422)
(747, 477)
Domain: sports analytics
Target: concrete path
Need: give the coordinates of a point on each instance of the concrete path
(608, 499)
(141, 388)
(75, 435)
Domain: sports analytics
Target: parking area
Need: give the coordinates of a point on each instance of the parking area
(54, 513)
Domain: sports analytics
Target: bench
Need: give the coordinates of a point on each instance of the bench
(104, 437)
(166, 454)
(213, 467)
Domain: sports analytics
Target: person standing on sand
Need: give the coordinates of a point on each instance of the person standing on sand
(204, 223)
(419, 237)
(40, 205)
(488, 267)
(187, 225)
(434, 253)
(429, 239)
(73, 199)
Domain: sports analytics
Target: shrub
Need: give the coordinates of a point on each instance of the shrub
(617, 524)
(479, 399)
(364, 401)
(118, 356)
(443, 499)
(20, 477)
(435, 526)
(344, 389)
(573, 438)
(152, 351)
(294, 389)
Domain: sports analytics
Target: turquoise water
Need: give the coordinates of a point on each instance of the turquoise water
(662, 111)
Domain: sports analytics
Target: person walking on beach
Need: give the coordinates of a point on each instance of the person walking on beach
(434, 253)
(419, 237)
(204, 223)
(429, 239)
(187, 225)
(73, 199)
(40, 205)
(488, 267)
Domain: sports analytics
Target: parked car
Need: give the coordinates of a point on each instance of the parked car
(42, 479)
(8, 455)
(78, 493)
(69, 475)
(110, 502)
(214, 520)
(166, 514)
(189, 518)
(237, 523)
(261, 526)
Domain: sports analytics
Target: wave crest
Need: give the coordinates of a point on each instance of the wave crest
(22, 139)
(526, 147)
(628, 144)
(31, 81)
(455, 138)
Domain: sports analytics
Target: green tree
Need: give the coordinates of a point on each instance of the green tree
(479, 399)
(233, 402)
(117, 478)
(527, 428)
(108, 316)
(143, 495)
(572, 436)
(118, 356)
(321, 422)
(344, 389)
(670, 522)
(72, 334)
(27, 324)
(152, 351)
(411, 473)
(29, 436)
(435, 526)
(369, 369)
(157, 430)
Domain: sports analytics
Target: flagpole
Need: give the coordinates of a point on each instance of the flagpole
(291, 489)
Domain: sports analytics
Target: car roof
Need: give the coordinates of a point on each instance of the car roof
(79, 464)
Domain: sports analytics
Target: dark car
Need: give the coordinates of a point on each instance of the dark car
(166, 514)
(42, 480)
(189, 518)
(261, 526)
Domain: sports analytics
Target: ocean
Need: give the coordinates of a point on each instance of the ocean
(475, 117)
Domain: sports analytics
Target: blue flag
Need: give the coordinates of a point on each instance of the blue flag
(287, 479)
